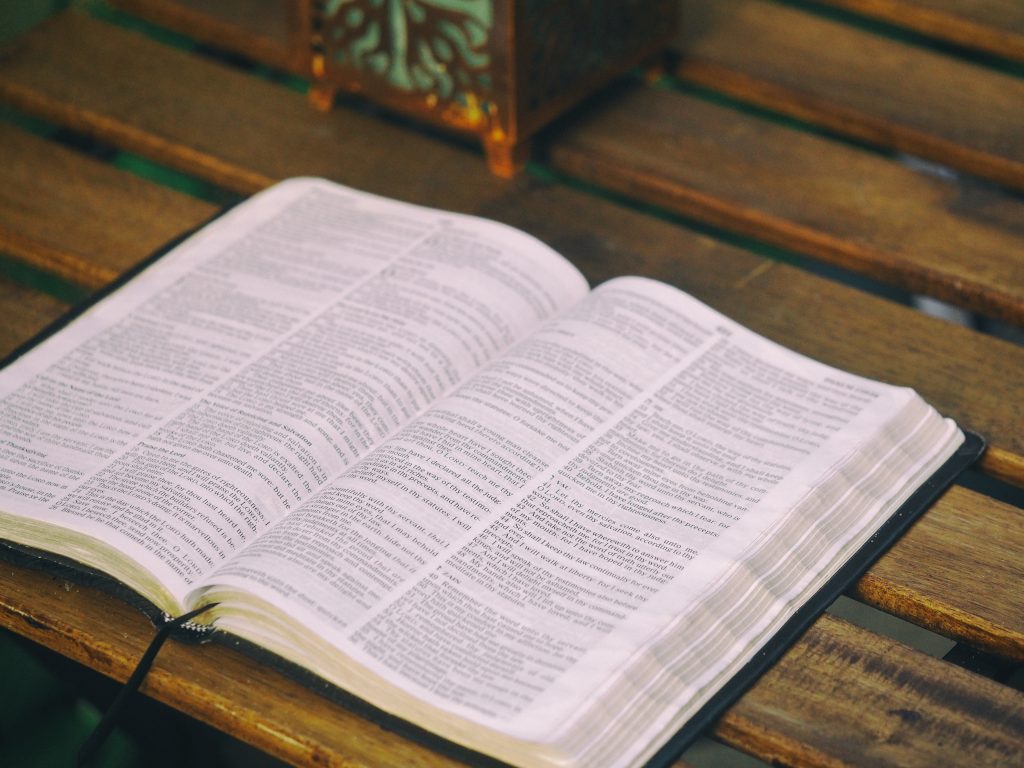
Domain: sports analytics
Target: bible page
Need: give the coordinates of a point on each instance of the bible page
(181, 416)
(393, 518)
(589, 536)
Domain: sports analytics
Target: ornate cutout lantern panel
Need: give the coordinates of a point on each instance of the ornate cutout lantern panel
(496, 69)
(499, 69)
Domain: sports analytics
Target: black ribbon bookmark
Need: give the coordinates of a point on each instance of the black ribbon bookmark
(106, 724)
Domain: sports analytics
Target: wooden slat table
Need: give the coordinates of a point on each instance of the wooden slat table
(616, 190)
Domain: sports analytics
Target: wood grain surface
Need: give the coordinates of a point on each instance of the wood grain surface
(862, 85)
(990, 26)
(956, 242)
(258, 30)
(962, 242)
(24, 312)
(965, 557)
(79, 218)
(805, 713)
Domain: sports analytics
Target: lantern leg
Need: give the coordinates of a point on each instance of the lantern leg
(506, 158)
(321, 95)
(655, 67)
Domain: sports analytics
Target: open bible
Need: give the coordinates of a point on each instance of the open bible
(413, 453)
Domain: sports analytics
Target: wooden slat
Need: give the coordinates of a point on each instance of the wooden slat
(78, 71)
(24, 312)
(960, 242)
(856, 83)
(259, 30)
(886, 704)
(991, 26)
(952, 573)
(841, 695)
(929, 590)
(107, 218)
